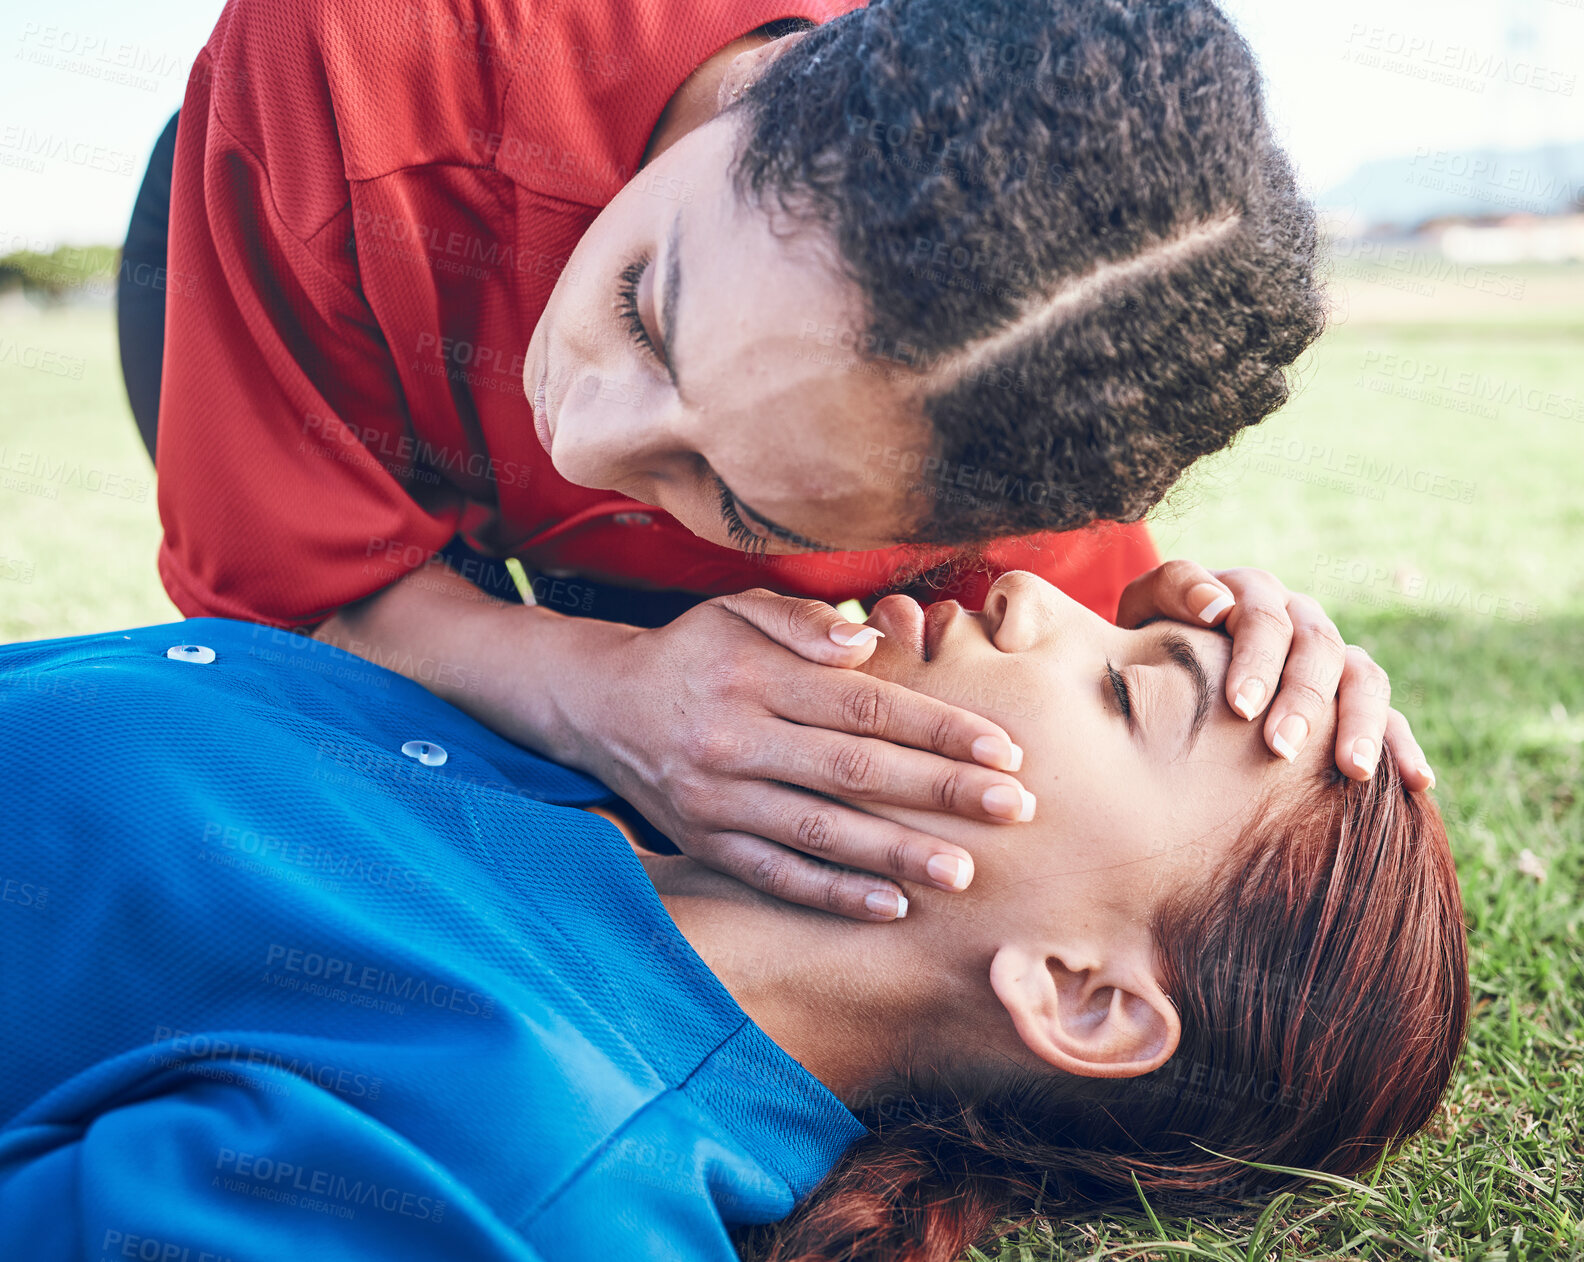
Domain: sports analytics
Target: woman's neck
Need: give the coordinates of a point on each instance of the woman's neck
(852, 1002)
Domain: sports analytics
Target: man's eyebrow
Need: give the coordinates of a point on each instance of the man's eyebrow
(1180, 653)
(781, 532)
(669, 289)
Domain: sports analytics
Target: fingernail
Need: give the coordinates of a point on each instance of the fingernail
(1218, 602)
(1364, 755)
(1424, 770)
(1009, 802)
(852, 635)
(997, 752)
(1249, 697)
(1290, 735)
(886, 903)
(950, 870)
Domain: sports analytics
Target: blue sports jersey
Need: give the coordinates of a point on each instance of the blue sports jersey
(298, 961)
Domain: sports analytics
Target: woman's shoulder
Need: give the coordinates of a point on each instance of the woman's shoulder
(259, 831)
(239, 862)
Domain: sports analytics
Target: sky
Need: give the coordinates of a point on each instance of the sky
(89, 84)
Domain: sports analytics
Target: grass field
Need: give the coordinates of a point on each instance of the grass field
(1424, 483)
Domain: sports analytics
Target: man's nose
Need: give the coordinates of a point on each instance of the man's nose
(616, 427)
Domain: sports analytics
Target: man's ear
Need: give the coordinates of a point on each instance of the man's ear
(1091, 1018)
(746, 66)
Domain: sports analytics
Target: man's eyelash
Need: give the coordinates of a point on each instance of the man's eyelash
(737, 529)
(627, 305)
(1119, 686)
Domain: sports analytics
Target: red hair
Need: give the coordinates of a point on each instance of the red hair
(1321, 975)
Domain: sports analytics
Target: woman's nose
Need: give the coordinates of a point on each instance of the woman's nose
(1009, 606)
(1024, 609)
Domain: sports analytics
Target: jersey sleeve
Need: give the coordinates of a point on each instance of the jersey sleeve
(257, 1169)
(279, 387)
(1092, 566)
(659, 1187)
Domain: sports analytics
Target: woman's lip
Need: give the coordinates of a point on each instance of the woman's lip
(541, 412)
(936, 617)
(901, 618)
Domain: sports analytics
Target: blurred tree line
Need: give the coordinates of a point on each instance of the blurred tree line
(67, 272)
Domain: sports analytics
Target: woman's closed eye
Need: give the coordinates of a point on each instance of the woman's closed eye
(1159, 691)
(1121, 691)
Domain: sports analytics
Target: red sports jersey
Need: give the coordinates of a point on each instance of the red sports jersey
(371, 202)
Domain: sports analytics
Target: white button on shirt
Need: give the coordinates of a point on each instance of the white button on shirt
(426, 752)
(198, 654)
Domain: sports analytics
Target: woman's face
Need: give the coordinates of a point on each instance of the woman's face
(692, 359)
(1142, 774)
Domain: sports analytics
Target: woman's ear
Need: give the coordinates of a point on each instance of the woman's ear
(1092, 1018)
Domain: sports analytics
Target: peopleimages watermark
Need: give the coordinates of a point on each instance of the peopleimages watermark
(146, 1248)
(449, 250)
(290, 1183)
(87, 271)
(17, 570)
(863, 348)
(1481, 392)
(1493, 178)
(57, 471)
(97, 56)
(43, 359)
(922, 150)
(1307, 461)
(406, 455)
(1415, 269)
(364, 676)
(22, 892)
(1434, 60)
(919, 470)
(1365, 582)
(485, 46)
(206, 1056)
(315, 858)
(472, 363)
(367, 985)
(50, 683)
(41, 147)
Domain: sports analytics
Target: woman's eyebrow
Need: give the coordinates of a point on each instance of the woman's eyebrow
(1180, 653)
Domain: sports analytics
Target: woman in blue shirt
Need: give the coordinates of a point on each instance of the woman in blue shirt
(302, 961)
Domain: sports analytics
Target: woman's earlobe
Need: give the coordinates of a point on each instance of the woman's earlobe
(1084, 1016)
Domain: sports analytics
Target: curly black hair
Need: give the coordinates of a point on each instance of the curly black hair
(1070, 223)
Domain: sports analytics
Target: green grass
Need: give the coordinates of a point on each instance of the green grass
(79, 527)
(1441, 527)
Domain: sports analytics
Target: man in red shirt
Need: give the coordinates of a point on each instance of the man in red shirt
(393, 331)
